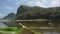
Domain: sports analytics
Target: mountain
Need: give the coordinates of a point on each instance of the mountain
(10, 16)
(28, 12)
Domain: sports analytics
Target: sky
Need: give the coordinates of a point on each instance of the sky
(9, 6)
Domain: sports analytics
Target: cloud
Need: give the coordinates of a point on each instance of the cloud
(20, 1)
(55, 3)
(9, 7)
(1, 15)
(39, 4)
(36, 3)
(44, 3)
(6, 7)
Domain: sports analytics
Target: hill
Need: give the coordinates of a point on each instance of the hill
(28, 12)
(10, 16)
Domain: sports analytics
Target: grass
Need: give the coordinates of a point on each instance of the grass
(10, 30)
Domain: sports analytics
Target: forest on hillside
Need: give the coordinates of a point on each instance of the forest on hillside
(35, 12)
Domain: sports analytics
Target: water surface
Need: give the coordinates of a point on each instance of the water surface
(3, 25)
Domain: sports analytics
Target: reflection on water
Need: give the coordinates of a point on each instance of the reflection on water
(3, 25)
(50, 33)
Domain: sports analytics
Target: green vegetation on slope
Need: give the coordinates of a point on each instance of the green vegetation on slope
(10, 16)
(26, 12)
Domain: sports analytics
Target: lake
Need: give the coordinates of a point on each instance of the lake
(51, 33)
(3, 25)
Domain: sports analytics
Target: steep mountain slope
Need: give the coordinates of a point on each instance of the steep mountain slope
(27, 12)
(10, 16)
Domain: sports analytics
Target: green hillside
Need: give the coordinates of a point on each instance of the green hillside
(28, 12)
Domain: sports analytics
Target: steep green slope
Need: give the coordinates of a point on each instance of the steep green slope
(27, 12)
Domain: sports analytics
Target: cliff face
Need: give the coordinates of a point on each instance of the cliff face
(10, 16)
(26, 12)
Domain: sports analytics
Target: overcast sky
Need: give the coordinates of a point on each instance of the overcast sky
(8, 6)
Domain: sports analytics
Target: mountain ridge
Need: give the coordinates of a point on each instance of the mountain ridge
(27, 12)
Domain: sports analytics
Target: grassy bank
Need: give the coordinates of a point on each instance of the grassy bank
(10, 30)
